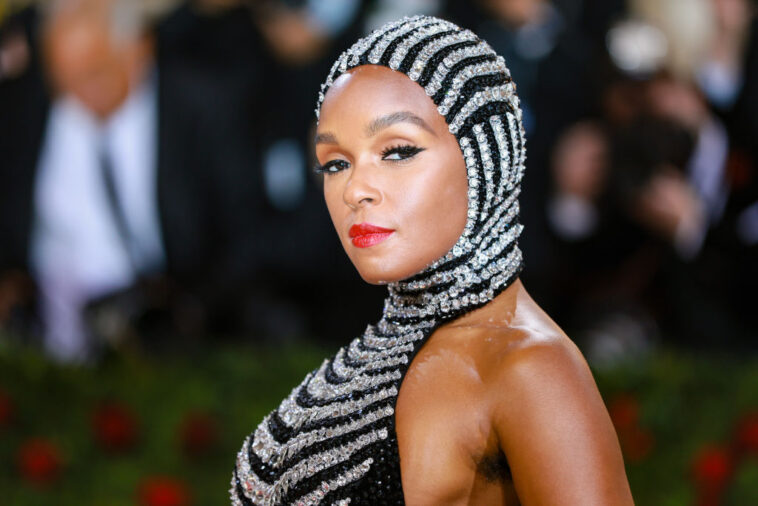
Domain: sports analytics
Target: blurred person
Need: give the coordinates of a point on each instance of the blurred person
(655, 177)
(301, 31)
(14, 53)
(688, 286)
(606, 260)
(579, 166)
(721, 73)
(422, 180)
(711, 213)
(128, 190)
(232, 43)
(648, 178)
(552, 61)
(639, 242)
(712, 43)
(742, 122)
(716, 49)
(688, 210)
(302, 38)
(542, 43)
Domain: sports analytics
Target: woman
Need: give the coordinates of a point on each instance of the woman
(464, 392)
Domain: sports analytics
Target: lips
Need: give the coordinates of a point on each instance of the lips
(364, 235)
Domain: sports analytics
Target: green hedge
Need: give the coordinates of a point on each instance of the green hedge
(165, 431)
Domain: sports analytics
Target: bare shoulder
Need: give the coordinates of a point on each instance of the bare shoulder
(536, 355)
(506, 380)
(529, 346)
(532, 368)
(549, 417)
(513, 343)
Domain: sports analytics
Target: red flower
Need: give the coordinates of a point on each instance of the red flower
(712, 469)
(747, 434)
(39, 461)
(198, 434)
(114, 427)
(163, 491)
(625, 412)
(636, 444)
(6, 409)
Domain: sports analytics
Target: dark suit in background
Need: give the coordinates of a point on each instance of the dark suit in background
(208, 184)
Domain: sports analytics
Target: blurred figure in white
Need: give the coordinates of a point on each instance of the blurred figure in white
(128, 183)
(96, 220)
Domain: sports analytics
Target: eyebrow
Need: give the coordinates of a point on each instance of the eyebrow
(379, 124)
(383, 122)
(326, 138)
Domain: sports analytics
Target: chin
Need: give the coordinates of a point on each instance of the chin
(381, 267)
(384, 275)
(377, 278)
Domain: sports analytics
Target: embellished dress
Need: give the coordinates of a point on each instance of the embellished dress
(333, 439)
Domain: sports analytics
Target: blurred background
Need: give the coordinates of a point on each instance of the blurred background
(168, 270)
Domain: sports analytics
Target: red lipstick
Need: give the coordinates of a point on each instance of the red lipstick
(366, 234)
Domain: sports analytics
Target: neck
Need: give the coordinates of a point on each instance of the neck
(498, 312)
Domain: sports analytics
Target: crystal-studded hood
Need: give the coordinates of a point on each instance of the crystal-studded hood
(333, 439)
(472, 88)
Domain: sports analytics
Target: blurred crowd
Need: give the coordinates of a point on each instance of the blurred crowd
(156, 191)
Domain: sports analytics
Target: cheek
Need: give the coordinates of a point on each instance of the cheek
(336, 206)
(437, 206)
(451, 210)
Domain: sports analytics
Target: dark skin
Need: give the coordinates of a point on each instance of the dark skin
(499, 406)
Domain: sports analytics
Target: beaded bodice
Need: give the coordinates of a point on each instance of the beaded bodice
(333, 439)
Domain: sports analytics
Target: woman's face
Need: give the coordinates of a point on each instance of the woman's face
(395, 181)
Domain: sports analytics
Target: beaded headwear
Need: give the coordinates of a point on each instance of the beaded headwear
(333, 439)
(472, 88)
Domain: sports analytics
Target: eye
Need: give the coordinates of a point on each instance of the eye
(331, 167)
(398, 153)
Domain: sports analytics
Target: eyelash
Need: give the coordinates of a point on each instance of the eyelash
(329, 167)
(405, 151)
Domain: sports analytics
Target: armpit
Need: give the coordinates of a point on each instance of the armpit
(494, 467)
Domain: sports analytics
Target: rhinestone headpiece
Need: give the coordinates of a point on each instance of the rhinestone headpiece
(473, 90)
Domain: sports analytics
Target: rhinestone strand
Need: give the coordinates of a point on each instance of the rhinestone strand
(295, 416)
(402, 49)
(455, 57)
(314, 498)
(273, 453)
(262, 493)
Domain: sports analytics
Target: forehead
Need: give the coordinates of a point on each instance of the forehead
(78, 39)
(368, 91)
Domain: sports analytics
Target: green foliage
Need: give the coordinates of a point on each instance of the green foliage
(684, 402)
(236, 386)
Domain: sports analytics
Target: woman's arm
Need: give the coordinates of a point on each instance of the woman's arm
(554, 428)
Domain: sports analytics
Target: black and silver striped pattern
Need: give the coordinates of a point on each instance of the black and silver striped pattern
(333, 440)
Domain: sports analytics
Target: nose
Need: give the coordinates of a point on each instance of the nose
(360, 190)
